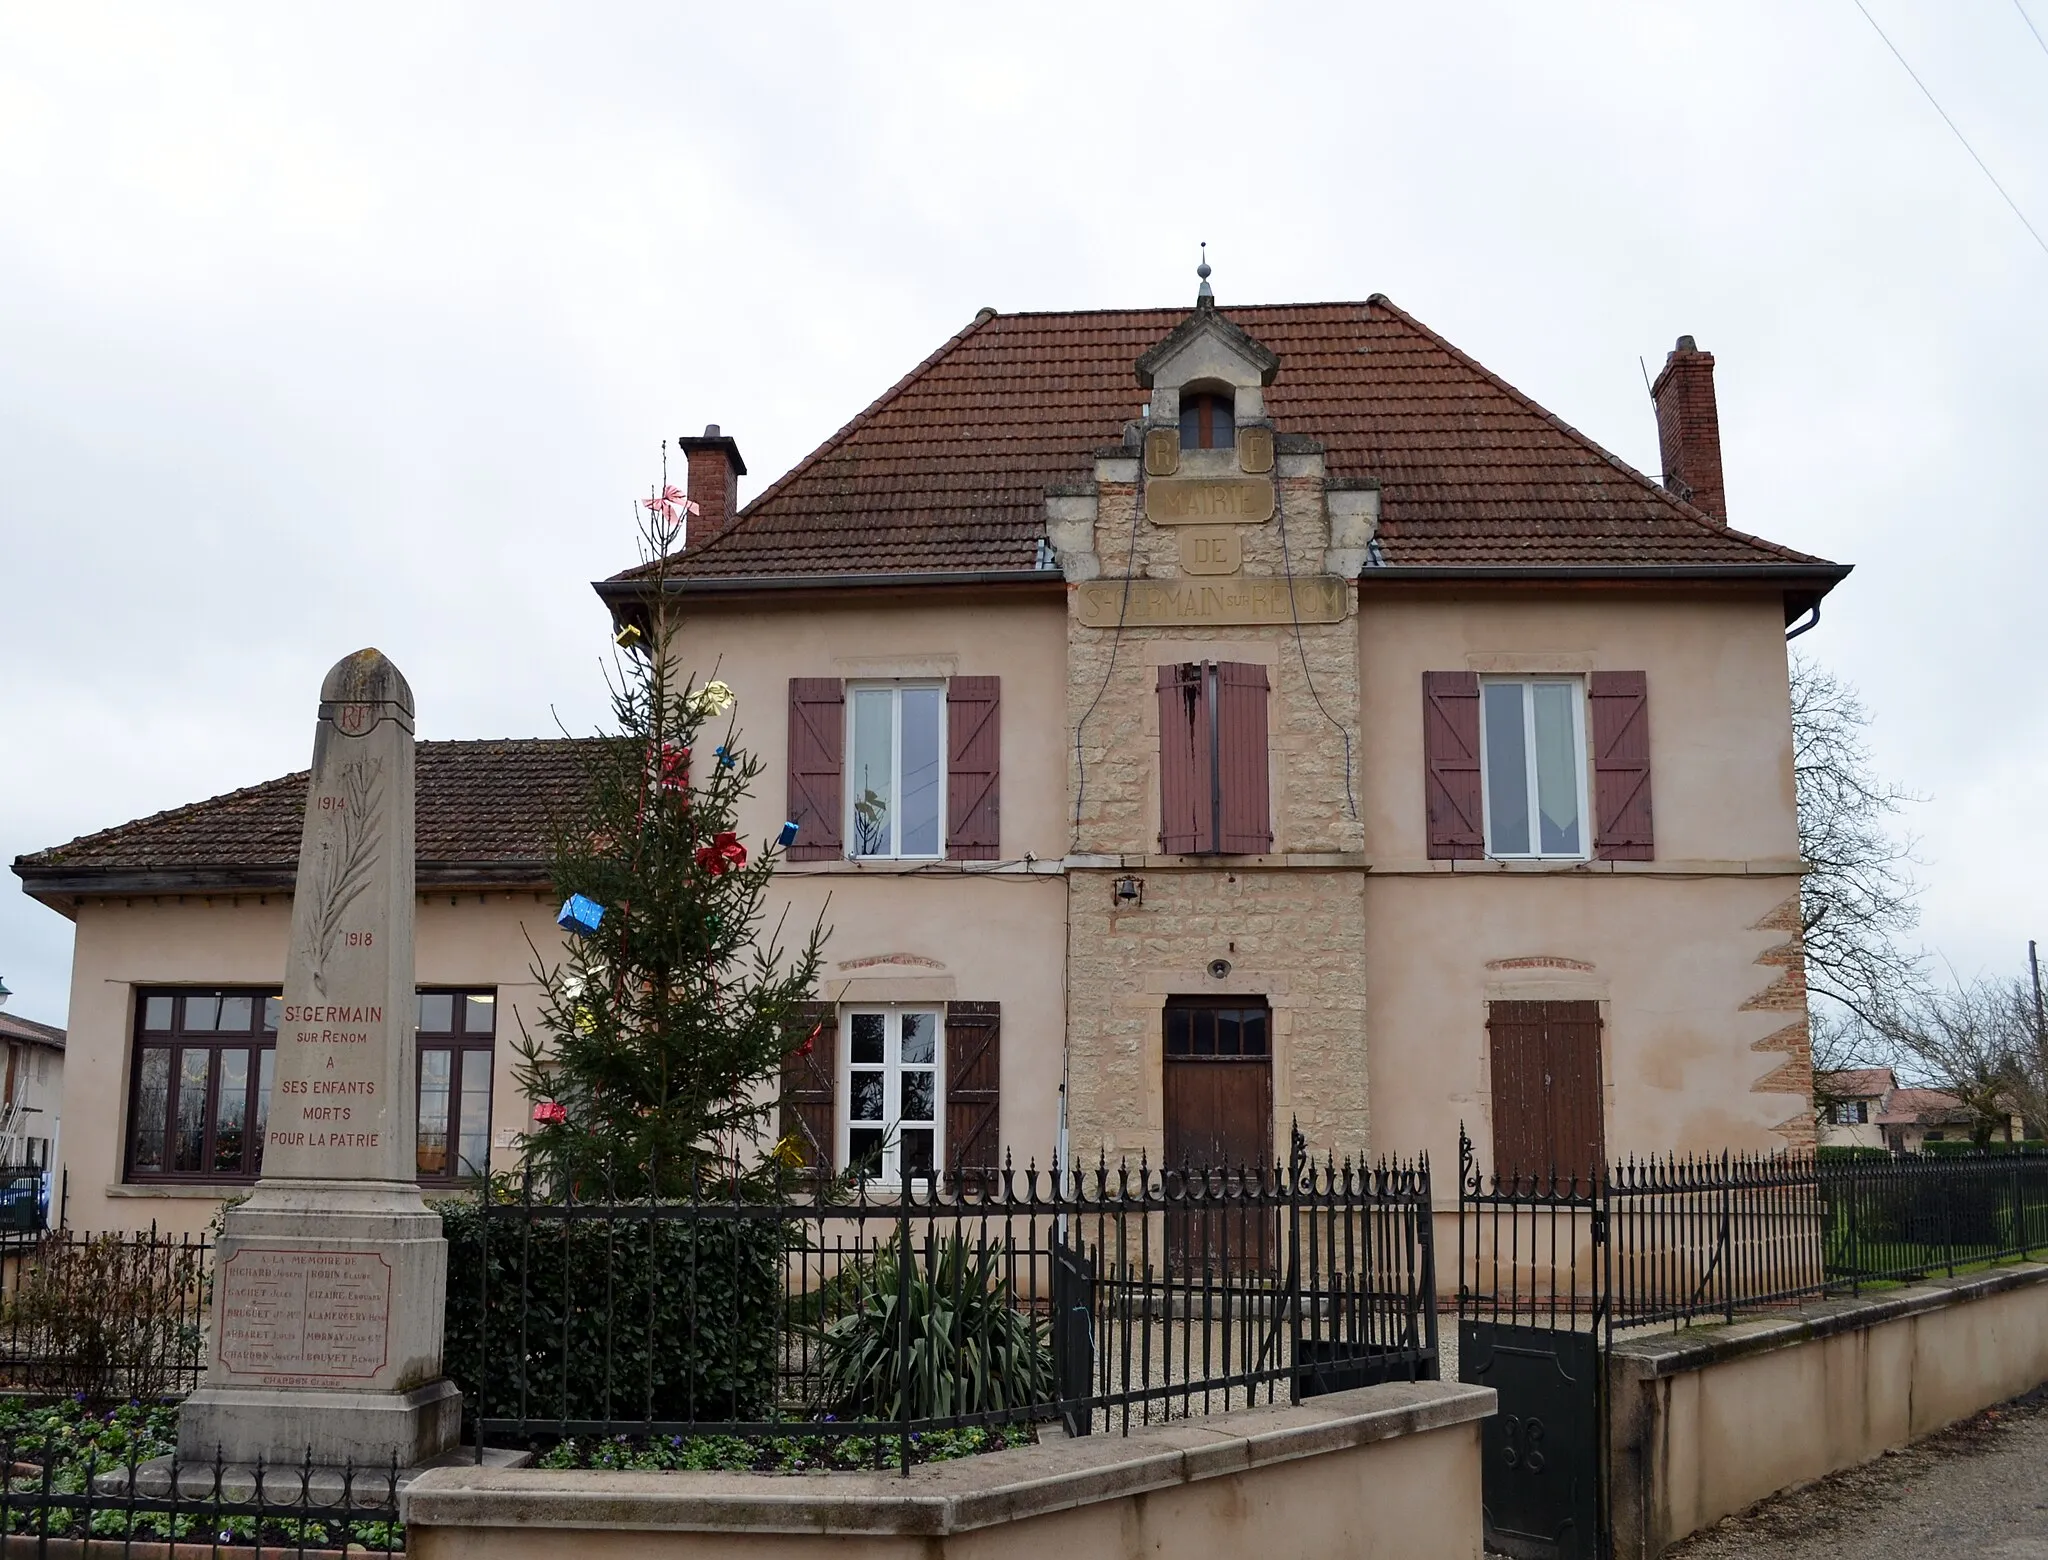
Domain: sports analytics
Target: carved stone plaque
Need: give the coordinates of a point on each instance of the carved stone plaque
(1162, 452)
(1209, 500)
(1229, 599)
(294, 1318)
(1211, 550)
(1255, 449)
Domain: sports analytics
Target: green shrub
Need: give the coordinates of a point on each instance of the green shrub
(970, 1349)
(619, 1319)
(1952, 1148)
(1843, 1155)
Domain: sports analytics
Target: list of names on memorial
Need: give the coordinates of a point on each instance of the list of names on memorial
(294, 1317)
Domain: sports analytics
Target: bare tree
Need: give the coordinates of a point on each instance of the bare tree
(1975, 1042)
(1857, 901)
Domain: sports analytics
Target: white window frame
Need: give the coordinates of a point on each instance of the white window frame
(896, 687)
(890, 1172)
(1581, 769)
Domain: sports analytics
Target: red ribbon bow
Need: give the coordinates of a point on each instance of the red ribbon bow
(723, 854)
(672, 768)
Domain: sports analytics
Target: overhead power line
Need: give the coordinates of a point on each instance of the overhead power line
(2043, 42)
(2036, 232)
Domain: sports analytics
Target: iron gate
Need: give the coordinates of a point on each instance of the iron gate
(1533, 1324)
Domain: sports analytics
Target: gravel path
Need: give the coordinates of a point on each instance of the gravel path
(1976, 1491)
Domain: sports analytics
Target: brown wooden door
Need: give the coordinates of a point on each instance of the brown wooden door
(1219, 1135)
(1547, 1102)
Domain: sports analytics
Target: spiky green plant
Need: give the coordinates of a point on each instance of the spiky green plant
(946, 1335)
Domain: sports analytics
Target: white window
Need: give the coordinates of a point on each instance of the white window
(892, 1095)
(896, 783)
(1533, 765)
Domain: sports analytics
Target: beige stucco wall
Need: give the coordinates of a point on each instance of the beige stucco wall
(1693, 955)
(463, 939)
(1385, 1473)
(1780, 1406)
(931, 931)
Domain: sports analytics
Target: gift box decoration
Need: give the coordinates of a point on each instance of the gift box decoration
(550, 1113)
(787, 837)
(580, 915)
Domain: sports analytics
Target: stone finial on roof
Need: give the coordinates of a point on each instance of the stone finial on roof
(1205, 296)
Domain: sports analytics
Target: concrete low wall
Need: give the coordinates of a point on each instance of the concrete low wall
(1713, 1419)
(1383, 1473)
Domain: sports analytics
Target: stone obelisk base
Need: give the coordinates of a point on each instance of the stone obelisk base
(326, 1342)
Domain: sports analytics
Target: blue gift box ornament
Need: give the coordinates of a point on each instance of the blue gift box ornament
(580, 915)
(787, 837)
(725, 759)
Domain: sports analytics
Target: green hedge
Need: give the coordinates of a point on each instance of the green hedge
(1841, 1155)
(1950, 1149)
(614, 1319)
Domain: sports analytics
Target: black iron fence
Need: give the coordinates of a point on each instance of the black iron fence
(1685, 1238)
(58, 1500)
(1101, 1298)
(110, 1316)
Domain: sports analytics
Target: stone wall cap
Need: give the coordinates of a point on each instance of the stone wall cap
(947, 1497)
(1695, 1348)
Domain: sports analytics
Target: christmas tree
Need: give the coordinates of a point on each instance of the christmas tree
(663, 1028)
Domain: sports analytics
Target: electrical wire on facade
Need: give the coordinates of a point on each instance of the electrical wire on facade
(1116, 639)
(1300, 649)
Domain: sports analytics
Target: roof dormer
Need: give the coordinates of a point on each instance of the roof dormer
(1208, 380)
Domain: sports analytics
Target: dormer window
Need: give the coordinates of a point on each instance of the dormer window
(1207, 422)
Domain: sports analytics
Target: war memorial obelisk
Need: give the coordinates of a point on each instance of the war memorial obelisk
(329, 1280)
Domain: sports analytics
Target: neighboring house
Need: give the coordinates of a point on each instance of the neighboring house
(1869, 1109)
(31, 1092)
(1199, 723)
(1855, 1101)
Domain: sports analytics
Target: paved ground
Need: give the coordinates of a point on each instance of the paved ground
(1976, 1491)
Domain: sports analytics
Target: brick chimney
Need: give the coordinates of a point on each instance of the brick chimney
(715, 472)
(1688, 428)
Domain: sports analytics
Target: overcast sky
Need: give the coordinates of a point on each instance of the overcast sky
(326, 327)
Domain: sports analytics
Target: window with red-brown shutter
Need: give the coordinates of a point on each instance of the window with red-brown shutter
(1621, 766)
(817, 743)
(810, 1085)
(1214, 785)
(1450, 754)
(974, 1092)
(974, 755)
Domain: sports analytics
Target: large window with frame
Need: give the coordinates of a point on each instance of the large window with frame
(896, 790)
(1533, 766)
(204, 1061)
(457, 1030)
(200, 1084)
(893, 1123)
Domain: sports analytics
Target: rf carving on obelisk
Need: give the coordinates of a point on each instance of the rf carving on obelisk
(329, 1280)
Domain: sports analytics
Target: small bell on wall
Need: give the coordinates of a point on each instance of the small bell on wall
(580, 915)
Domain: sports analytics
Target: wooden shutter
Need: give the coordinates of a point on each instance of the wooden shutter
(1184, 811)
(974, 755)
(974, 1089)
(810, 1084)
(1548, 1109)
(1621, 766)
(817, 741)
(1245, 778)
(1450, 756)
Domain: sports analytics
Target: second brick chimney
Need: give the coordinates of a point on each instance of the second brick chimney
(715, 472)
(1688, 428)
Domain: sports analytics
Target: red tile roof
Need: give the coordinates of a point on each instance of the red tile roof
(28, 1029)
(1856, 1082)
(948, 470)
(481, 812)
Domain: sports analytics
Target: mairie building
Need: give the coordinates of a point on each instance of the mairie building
(1200, 723)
